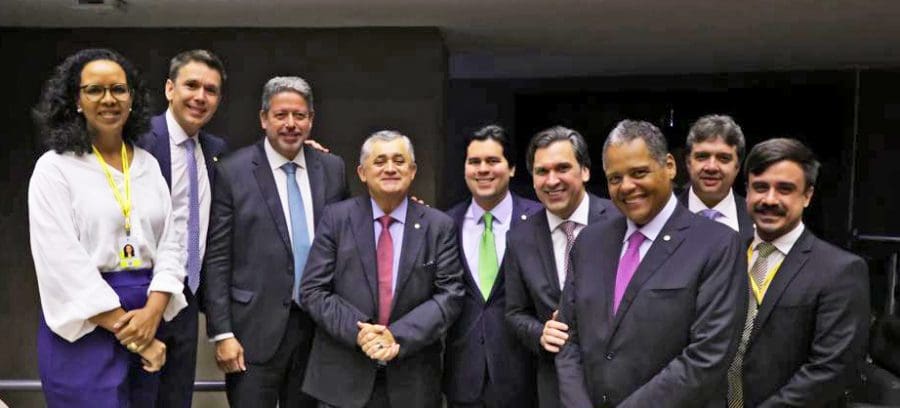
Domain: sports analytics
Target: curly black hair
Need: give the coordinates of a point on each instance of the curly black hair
(55, 115)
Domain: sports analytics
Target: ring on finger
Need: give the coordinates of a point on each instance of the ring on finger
(132, 347)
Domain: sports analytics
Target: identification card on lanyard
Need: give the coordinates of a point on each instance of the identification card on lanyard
(127, 249)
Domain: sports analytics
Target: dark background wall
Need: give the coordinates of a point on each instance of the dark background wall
(363, 80)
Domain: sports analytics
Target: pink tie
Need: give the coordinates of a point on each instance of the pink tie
(627, 265)
(385, 252)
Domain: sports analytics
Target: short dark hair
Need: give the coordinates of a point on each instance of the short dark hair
(202, 56)
(710, 127)
(497, 134)
(773, 151)
(629, 130)
(549, 136)
(55, 115)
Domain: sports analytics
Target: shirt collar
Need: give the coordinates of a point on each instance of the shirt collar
(276, 160)
(783, 243)
(502, 212)
(399, 213)
(726, 207)
(176, 133)
(580, 215)
(655, 226)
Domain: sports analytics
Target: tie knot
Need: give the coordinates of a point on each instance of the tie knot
(710, 213)
(290, 168)
(636, 239)
(188, 144)
(488, 220)
(764, 249)
(386, 221)
(568, 227)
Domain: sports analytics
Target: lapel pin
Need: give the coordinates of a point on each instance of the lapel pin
(416, 225)
(666, 238)
(215, 158)
(524, 217)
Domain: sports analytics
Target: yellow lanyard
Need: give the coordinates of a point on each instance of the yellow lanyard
(760, 291)
(124, 203)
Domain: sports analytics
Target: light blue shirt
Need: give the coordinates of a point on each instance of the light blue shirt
(396, 230)
(651, 229)
(473, 228)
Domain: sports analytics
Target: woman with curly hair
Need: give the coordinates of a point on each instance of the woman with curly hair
(89, 197)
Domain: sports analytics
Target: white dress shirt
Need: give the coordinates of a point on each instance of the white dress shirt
(783, 244)
(77, 229)
(181, 184)
(396, 231)
(580, 217)
(473, 227)
(727, 207)
(651, 229)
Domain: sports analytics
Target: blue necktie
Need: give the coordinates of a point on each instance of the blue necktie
(710, 213)
(298, 227)
(193, 222)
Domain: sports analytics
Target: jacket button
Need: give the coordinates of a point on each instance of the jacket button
(610, 355)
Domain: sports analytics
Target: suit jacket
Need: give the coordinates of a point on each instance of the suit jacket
(340, 288)
(156, 141)
(745, 223)
(532, 288)
(677, 326)
(480, 344)
(249, 259)
(811, 330)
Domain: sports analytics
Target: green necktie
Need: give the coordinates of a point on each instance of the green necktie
(487, 257)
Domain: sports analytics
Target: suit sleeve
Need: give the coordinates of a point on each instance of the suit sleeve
(703, 363)
(573, 390)
(427, 323)
(329, 310)
(218, 260)
(520, 312)
(841, 335)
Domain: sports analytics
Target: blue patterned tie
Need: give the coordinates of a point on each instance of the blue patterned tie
(710, 213)
(298, 227)
(193, 223)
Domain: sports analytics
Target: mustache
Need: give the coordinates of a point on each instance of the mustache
(769, 209)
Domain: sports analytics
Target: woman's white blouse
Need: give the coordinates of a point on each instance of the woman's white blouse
(77, 229)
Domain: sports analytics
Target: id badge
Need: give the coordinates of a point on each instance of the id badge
(129, 255)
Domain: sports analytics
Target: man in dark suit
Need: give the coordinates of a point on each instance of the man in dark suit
(535, 263)
(267, 199)
(655, 300)
(186, 155)
(485, 365)
(383, 284)
(715, 147)
(808, 319)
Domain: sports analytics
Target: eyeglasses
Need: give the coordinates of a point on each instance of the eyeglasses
(94, 92)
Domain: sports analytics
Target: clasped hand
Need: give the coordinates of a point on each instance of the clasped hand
(377, 342)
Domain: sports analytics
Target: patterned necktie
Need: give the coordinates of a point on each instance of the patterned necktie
(758, 274)
(710, 213)
(568, 227)
(385, 252)
(193, 221)
(488, 266)
(300, 245)
(627, 265)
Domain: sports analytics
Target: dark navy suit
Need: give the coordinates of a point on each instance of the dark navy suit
(180, 335)
(485, 364)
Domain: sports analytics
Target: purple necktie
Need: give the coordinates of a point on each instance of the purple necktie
(710, 213)
(193, 223)
(627, 265)
(385, 255)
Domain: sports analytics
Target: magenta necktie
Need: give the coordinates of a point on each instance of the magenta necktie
(627, 265)
(385, 252)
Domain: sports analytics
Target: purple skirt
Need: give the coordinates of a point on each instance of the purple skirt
(95, 370)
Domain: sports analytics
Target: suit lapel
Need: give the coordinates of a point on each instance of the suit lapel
(544, 243)
(362, 223)
(518, 213)
(660, 251)
(791, 265)
(413, 236)
(266, 182)
(471, 286)
(745, 223)
(611, 248)
(316, 182)
(160, 147)
(596, 209)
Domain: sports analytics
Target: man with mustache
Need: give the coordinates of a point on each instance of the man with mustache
(186, 154)
(267, 200)
(715, 147)
(655, 300)
(537, 252)
(808, 316)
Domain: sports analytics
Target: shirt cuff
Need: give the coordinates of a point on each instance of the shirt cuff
(166, 283)
(221, 337)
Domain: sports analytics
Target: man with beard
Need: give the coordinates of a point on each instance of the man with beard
(715, 147)
(808, 319)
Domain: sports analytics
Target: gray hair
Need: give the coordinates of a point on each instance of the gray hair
(629, 130)
(384, 136)
(278, 85)
(549, 136)
(710, 127)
